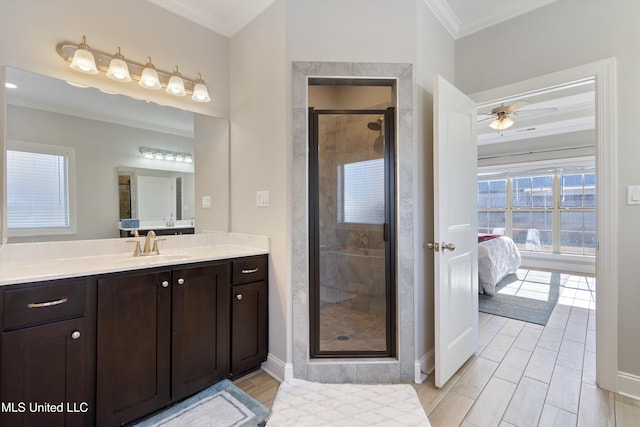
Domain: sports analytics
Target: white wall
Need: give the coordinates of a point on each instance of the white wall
(100, 148)
(560, 36)
(259, 154)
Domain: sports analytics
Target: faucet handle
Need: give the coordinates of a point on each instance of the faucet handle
(135, 233)
(137, 250)
(156, 249)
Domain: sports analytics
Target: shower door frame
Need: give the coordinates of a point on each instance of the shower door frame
(389, 236)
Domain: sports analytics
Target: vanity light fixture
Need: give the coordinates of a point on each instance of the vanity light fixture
(153, 153)
(116, 67)
(149, 77)
(176, 84)
(83, 60)
(200, 92)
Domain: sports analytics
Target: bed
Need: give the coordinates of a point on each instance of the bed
(498, 256)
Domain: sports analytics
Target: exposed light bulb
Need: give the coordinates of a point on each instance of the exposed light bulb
(10, 85)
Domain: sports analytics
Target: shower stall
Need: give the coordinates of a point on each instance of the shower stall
(352, 233)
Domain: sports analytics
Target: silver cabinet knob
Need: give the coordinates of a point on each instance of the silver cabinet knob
(75, 335)
(239, 297)
(448, 247)
(181, 281)
(165, 283)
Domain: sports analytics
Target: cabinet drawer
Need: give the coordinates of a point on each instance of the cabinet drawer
(247, 270)
(43, 303)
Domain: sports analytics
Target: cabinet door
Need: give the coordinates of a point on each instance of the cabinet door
(249, 327)
(198, 327)
(133, 345)
(44, 364)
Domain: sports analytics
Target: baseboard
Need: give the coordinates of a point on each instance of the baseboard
(629, 385)
(277, 368)
(430, 361)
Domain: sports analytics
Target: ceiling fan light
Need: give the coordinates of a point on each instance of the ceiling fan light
(149, 77)
(83, 60)
(118, 68)
(501, 123)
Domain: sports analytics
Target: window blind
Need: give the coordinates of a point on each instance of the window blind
(361, 192)
(37, 190)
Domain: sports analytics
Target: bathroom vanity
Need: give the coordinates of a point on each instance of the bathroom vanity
(134, 336)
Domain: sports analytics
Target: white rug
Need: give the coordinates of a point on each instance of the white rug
(301, 403)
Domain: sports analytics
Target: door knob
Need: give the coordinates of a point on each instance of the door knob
(448, 247)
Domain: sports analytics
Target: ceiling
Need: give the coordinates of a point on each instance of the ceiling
(459, 17)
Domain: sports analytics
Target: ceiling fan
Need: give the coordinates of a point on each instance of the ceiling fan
(502, 116)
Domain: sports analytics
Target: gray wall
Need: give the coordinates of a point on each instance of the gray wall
(562, 35)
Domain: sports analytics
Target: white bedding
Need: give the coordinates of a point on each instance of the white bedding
(496, 258)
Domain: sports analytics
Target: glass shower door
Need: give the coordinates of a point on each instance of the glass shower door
(350, 229)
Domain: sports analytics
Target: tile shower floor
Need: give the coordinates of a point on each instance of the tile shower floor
(343, 328)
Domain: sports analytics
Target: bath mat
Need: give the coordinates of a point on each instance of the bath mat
(529, 296)
(222, 405)
(309, 404)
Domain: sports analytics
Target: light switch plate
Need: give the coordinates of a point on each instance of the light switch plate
(633, 195)
(262, 199)
(206, 202)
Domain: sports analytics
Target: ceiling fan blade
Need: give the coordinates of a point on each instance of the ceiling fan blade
(484, 119)
(535, 111)
(513, 107)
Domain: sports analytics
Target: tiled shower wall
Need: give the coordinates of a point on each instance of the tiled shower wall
(352, 268)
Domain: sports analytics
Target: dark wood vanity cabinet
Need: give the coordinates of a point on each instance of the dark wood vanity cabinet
(46, 362)
(249, 314)
(116, 347)
(159, 339)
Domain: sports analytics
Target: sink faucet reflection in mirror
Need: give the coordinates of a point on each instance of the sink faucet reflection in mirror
(148, 249)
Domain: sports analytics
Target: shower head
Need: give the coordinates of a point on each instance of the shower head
(377, 125)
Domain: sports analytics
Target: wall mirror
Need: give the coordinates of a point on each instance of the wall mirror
(104, 134)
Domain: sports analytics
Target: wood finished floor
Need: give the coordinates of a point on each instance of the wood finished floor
(523, 375)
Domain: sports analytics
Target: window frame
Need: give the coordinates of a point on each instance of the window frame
(69, 153)
(556, 170)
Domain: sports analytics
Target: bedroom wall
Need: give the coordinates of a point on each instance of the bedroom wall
(560, 36)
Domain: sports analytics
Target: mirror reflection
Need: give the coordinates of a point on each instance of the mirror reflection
(100, 137)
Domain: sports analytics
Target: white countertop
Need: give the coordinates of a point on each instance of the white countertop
(16, 267)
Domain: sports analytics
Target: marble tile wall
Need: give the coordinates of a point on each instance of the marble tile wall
(401, 368)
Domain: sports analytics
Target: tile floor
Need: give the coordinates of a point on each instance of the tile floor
(523, 374)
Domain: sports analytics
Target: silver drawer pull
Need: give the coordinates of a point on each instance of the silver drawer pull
(253, 270)
(75, 335)
(47, 304)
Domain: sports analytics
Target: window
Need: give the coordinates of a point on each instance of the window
(39, 189)
(361, 192)
(553, 211)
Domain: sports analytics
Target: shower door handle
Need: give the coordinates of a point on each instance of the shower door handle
(385, 232)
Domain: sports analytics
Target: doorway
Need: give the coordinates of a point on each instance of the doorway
(352, 233)
(603, 74)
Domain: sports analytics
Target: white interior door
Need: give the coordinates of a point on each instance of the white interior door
(455, 234)
(156, 198)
